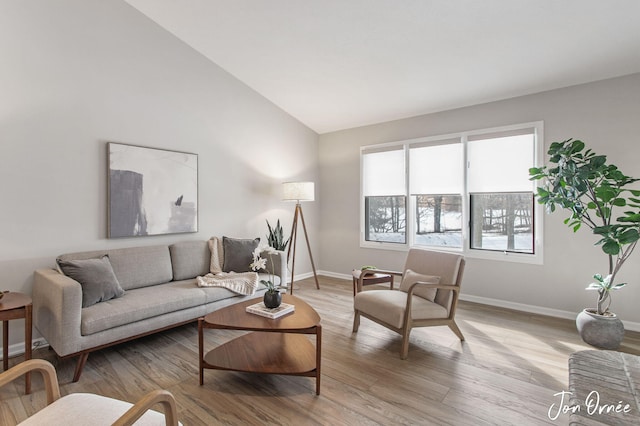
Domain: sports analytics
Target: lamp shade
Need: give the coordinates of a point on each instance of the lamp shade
(298, 191)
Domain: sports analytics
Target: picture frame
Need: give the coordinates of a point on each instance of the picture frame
(151, 191)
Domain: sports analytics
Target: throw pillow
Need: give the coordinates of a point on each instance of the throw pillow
(96, 276)
(238, 254)
(409, 277)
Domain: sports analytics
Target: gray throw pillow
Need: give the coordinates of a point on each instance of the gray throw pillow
(96, 276)
(238, 254)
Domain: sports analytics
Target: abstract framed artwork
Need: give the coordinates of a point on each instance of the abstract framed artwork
(151, 191)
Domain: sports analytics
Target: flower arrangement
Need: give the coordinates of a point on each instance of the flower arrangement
(260, 263)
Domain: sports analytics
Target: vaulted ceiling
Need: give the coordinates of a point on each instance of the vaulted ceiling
(336, 64)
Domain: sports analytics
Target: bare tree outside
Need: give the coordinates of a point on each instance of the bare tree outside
(385, 219)
(502, 221)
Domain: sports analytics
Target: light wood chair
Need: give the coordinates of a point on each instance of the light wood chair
(84, 408)
(428, 296)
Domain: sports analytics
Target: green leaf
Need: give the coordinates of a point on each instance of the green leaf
(606, 193)
(631, 217)
(620, 202)
(577, 146)
(629, 236)
(597, 161)
(611, 247)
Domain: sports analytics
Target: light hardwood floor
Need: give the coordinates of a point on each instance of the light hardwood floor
(506, 372)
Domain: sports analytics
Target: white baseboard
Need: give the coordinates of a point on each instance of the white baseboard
(540, 310)
(300, 277)
(18, 348)
(335, 275)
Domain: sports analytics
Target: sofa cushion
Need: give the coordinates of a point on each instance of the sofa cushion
(140, 304)
(189, 259)
(96, 277)
(238, 254)
(134, 266)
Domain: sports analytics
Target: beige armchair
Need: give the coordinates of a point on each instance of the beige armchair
(428, 296)
(85, 409)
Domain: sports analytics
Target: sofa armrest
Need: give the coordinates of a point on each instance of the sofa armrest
(57, 309)
(279, 259)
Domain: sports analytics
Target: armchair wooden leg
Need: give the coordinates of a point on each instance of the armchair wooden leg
(404, 350)
(356, 321)
(454, 327)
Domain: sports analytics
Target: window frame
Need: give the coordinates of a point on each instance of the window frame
(538, 226)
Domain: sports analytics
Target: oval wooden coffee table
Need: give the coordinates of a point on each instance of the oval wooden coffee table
(274, 346)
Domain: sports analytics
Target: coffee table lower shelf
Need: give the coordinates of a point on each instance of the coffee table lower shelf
(266, 353)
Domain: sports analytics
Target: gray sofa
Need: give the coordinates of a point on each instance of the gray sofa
(160, 293)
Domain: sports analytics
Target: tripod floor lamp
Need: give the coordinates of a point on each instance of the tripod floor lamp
(298, 191)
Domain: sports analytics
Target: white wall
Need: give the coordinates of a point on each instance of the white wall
(603, 114)
(76, 74)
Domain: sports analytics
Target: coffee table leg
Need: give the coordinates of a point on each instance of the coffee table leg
(318, 356)
(5, 345)
(200, 350)
(27, 344)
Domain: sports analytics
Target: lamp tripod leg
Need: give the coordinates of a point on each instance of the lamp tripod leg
(306, 236)
(292, 241)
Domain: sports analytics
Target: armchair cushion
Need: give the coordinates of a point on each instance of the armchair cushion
(96, 276)
(72, 410)
(389, 306)
(410, 277)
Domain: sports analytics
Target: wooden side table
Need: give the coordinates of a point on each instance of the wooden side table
(370, 278)
(16, 306)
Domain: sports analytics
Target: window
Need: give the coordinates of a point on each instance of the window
(468, 192)
(383, 187)
(436, 182)
(501, 194)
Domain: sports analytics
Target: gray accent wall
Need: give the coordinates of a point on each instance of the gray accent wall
(605, 114)
(77, 74)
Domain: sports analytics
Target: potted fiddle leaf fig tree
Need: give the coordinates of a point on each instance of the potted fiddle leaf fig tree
(597, 195)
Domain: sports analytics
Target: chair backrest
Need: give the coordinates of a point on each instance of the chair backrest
(448, 266)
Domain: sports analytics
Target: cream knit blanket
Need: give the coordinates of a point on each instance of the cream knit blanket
(241, 283)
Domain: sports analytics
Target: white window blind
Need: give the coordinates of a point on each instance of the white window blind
(500, 163)
(383, 172)
(436, 169)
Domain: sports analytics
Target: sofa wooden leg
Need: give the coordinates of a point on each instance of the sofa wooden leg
(82, 360)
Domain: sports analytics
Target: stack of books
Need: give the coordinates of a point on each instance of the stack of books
(260, 309)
